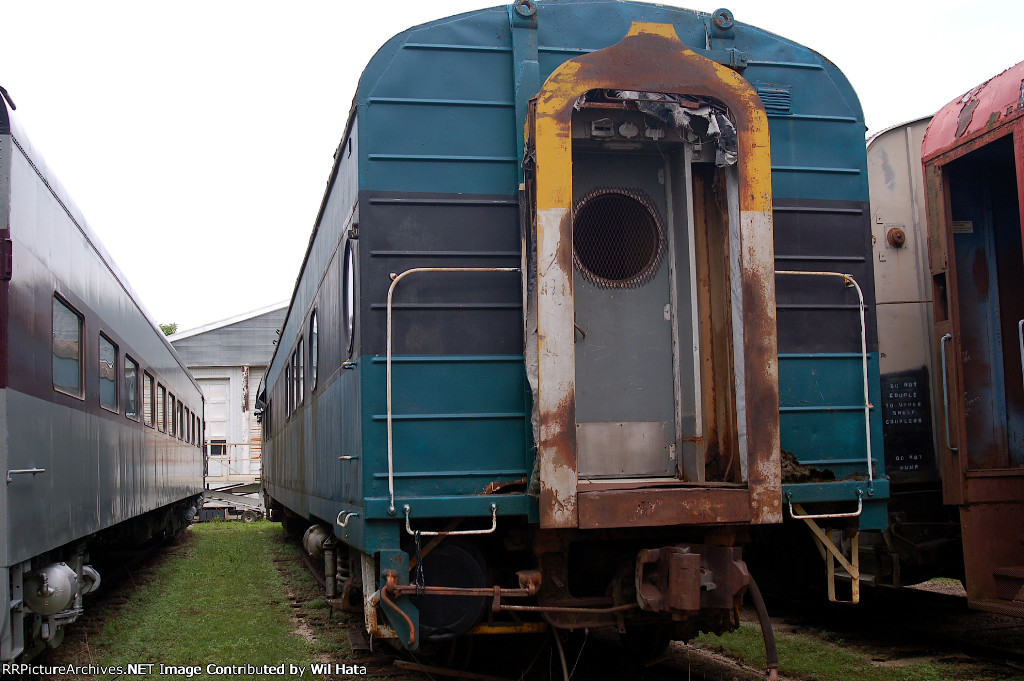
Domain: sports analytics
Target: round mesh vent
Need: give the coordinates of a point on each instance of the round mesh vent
(617, 238)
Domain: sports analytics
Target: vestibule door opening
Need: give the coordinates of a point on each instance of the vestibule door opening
(651, 293)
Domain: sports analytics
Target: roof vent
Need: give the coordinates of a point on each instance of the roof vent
(776, 99)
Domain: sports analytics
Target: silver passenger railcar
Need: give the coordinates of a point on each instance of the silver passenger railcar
(100, 422)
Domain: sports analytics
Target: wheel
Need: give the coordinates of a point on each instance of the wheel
(248, 516)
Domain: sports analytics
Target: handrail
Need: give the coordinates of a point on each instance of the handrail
(945, 390)
(809, 516)
(1020, 336)
(343, 524)
(850, 281)
(23, 471)
(450, 533)
(395, 278)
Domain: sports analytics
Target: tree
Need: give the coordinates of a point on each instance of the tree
(168, 329)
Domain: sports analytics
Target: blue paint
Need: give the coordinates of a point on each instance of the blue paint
(481, 64)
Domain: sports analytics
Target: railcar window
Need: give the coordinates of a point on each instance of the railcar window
(108, 374)
(181, 422)
(350, 294)
(288, 390)
(67, 349)
(300, 370)
(148, 403)
(187, 425)
(172, 423)
(131, 388)
(314, 352)
(161, 413)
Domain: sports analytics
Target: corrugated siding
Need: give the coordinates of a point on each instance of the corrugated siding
(246, 343)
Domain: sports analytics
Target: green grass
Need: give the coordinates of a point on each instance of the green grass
(218, 600)
(821, 656)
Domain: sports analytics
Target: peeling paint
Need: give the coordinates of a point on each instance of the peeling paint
(670, 68)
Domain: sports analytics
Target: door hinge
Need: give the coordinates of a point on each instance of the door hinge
(6, 259)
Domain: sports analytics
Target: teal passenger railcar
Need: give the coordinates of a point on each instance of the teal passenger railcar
(584, 274)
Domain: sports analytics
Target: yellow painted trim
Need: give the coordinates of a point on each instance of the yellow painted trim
(664, 30)
(651, 58)
(571, 80)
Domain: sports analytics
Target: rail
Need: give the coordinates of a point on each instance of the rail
(810, 516)
(1020, 337)
(945, 390)
(851, 282)
(234, 461)
(23, 471)
(395, 278)
(450, 533)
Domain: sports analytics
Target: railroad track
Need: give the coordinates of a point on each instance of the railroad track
(914, 618)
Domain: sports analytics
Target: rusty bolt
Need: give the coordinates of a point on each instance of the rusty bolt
(526, 8)
(896, 237)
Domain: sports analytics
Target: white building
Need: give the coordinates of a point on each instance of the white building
(228, 359)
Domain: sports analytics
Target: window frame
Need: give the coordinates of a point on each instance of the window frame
(135, 393)
(300, 370)
(349, 301)
(288, 388)
(171, 411)
(65, 390)
(314, 351)
(148, 410)
(161, 408)
(117, 392)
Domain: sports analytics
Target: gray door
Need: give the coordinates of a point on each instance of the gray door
(625, 386)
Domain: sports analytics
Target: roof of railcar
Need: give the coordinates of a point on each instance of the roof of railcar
(566, 28)
(985, 107)
(53, 184)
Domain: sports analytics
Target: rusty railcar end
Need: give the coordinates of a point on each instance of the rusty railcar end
(973, 156)
(651, 58)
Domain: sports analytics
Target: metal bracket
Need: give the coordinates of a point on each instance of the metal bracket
(343, 524)
(426, 533)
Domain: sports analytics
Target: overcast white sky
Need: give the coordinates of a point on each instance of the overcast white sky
(196, 135)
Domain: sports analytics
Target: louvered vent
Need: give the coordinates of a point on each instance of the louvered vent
(776, 99)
